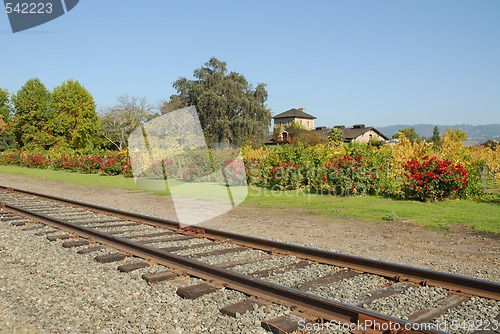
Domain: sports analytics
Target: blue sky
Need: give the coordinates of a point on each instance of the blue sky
(373, 62)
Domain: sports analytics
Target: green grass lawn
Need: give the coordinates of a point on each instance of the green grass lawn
(481, 216)
(85, 180)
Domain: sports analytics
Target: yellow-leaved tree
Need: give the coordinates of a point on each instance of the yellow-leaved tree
(405, 150)
(3, 125)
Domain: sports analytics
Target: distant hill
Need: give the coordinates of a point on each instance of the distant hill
(476, 133)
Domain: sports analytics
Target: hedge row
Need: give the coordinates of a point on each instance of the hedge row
(104, 163)
(411, 171)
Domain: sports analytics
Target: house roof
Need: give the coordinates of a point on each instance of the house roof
(297, 113)
(322, 133)
(353, 133)
(349, 133)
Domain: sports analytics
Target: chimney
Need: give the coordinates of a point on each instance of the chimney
(339, 127)
(302, 109)
(358, 126)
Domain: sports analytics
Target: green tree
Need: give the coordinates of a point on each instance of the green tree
(32, 114)
(376, 142)
(3, 125)
(76, 121)
(294, 129)
(276, 133)
(6, 137)
(336, 136)
(307, 138)
(298, 134)
(229, 108)
(410, 134)
(118, 122)
(456, 135)
(4, 109)
(436, 137)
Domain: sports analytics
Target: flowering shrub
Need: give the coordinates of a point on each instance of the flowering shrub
(403, 170)
(36, 160)
(65, 162)
(400, 171)
(234, 173)
(88, 164)
(215, 165)
(433, 179)
(106, 163)
(284, 176)
(10, 158)
(253, 168)
(197, 166)
(348, 175)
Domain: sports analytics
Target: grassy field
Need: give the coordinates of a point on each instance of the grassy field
(481, 216)
(86, 180)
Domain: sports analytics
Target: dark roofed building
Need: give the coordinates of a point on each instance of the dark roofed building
(322, 132)
(361, 133)
(358, 133)
(295, 115)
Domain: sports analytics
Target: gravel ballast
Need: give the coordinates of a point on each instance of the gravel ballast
(55, 290)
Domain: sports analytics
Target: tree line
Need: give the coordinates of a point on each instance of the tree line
(230, 110)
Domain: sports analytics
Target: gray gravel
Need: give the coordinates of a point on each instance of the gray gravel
(266, 263)
(178, 243)
(473, 314)
(239, 256)
(347, 290)
(55, 290)
(295, 277)
(210, 248)
(410, 301)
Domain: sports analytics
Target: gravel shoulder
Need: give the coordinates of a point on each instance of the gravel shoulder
(458, 251)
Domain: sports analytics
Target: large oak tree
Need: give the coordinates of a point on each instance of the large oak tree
(230, 109)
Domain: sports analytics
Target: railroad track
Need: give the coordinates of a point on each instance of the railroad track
(309, 281)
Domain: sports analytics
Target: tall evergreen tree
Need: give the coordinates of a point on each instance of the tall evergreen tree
(4, 109)
(6, 138)
(76, 120)
(32, 114)
(229, 108)
(436, 137)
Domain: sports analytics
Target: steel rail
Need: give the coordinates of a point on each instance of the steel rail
(453, 282)
(310, 304)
